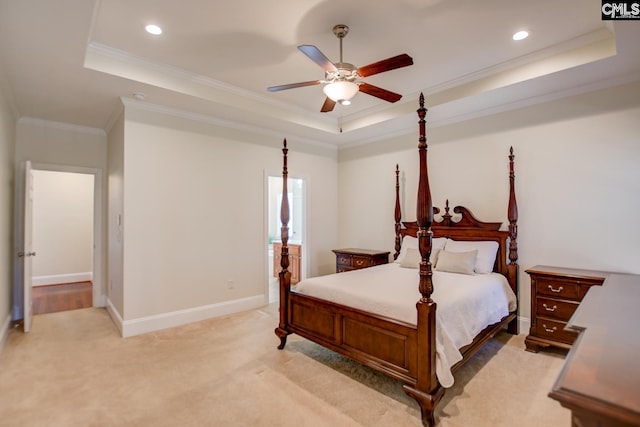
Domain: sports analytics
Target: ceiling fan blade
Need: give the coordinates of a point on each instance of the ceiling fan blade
(399, 61)
(328, 105)
(318, 57)
(293, 85)
(378, 92)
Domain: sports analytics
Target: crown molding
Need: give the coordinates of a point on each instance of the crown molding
(203, 118)
(31, 121)
(120, 63)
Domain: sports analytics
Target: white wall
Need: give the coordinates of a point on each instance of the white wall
(62, 227)
(115, 183)
(7, 145)
(194, 217)
(577, 181)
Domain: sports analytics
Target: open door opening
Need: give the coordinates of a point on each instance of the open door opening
(297, 231)
(62, 275)
(36, 229)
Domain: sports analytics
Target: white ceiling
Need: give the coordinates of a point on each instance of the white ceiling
(71, 61)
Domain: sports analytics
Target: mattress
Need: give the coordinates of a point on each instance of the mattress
(466, 304)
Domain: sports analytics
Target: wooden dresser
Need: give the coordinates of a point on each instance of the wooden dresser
(354, 259)
(295, 254)
(556, 293)
(600, 379)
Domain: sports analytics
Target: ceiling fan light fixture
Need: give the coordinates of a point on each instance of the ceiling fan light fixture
(341, 91)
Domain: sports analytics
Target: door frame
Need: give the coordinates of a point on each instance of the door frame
(99, 295)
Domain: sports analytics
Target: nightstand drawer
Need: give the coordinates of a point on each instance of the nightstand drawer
(361, 262)
(560, 310)
(343, 260)
(557, 288)
(552, 329)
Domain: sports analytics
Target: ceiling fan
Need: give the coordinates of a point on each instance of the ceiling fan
(342, 80)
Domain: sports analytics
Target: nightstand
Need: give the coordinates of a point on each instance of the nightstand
(556, 293)
(355, 259)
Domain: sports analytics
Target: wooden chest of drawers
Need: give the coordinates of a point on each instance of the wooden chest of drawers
(556, 292)
(354, 259)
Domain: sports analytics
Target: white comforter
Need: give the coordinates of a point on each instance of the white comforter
(466, 303)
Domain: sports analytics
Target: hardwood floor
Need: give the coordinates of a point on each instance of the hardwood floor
(63, 297)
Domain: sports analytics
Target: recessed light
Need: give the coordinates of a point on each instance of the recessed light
(153, 29)
(520, 35)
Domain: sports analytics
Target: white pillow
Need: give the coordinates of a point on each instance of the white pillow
(438, 243)
(487, 251)
(457, 262)
(410, 242)
(412, 258)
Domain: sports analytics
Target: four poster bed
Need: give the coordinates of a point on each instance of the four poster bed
(377, 317)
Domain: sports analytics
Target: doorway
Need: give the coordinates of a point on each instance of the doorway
(62, 275)
(21, 304)
(296, 188)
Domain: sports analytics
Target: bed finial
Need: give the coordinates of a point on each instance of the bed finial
(424, 210)
(446, 217)
(398, 215)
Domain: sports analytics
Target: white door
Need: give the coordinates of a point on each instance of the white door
(28, 253)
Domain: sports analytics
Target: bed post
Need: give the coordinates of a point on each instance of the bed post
(398, 215)
(427, 391)
(284, 275)
(512, 213)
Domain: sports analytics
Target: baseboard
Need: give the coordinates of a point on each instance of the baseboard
(115, 315)
(143, 325)
(4, 333)
(56, 279)
(523, 325)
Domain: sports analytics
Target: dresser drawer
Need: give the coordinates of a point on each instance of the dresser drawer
(555, 309)
(557, 288)
(553, 329)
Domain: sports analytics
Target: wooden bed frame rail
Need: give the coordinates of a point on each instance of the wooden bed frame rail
(400, 350)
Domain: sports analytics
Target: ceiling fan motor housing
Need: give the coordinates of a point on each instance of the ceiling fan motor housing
(345, 72)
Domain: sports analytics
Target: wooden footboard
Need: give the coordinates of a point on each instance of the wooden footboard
(386, 345)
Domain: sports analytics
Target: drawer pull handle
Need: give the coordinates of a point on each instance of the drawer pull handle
(359, 262)
(555, 290)
(551, 330)
(554, 308)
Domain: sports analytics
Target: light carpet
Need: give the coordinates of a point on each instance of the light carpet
(73, 369)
